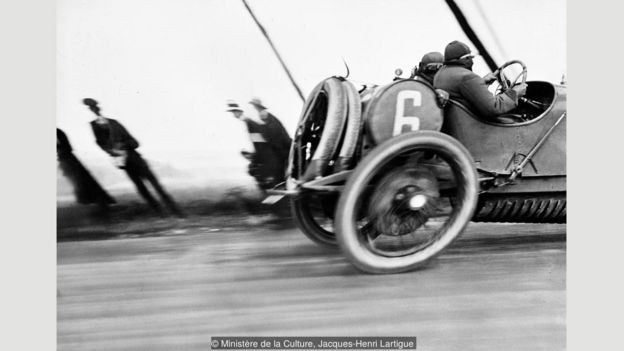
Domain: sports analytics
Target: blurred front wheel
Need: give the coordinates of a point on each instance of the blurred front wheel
(393, 215)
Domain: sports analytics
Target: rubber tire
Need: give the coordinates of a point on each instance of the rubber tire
(332, 130)
(304, 112)
(308, 225)
(353, 128)
(345, 224)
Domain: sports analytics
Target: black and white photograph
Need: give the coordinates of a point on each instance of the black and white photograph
(298, 174)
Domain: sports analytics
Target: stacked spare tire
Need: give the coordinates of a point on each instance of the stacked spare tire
(328, 131)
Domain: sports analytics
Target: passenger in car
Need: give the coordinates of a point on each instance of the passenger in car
(457, 78)
(429, 65)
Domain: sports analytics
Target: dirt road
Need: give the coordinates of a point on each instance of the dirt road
(500, 287)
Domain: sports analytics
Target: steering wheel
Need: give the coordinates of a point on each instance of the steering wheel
(504, 85)
(502, 79)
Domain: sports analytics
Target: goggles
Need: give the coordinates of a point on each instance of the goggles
(469, 55)
(432, 66)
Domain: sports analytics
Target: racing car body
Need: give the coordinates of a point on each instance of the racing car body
(394, 173)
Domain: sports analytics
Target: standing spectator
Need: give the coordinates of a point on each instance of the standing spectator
(275, 134)
(113, 138)
(86, 188)
(265, 165)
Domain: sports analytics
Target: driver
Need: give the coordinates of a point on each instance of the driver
(463, 85)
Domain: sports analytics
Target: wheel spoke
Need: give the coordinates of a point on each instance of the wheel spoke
(395, 229)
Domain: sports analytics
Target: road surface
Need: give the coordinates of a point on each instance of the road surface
(500, 287)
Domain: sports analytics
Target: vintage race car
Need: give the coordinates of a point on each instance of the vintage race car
(393, 174)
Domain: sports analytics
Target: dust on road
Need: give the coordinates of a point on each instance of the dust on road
(501, 287)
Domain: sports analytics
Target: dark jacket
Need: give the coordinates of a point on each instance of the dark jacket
(63, 147)
(426, 77)
(276, 134)
(86, 188)
(267, 165)
(113, 136)
(469, 89)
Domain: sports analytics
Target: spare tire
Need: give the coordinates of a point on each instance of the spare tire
(353, 128)
(320, 128)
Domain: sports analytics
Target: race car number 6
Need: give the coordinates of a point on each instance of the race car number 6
(404, 123)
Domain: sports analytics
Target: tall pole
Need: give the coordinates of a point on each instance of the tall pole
(266, 35)
(493, 33)
(470, 33)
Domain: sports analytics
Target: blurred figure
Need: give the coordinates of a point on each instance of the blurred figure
(265, 165)
(429, 65)
(113, 138)
(86, 188)
(277, 137)
(276, 134)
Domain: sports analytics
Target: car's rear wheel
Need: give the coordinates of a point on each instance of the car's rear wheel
(314, 215)
(392, 215)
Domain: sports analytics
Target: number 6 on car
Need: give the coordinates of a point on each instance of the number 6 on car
(403, 123)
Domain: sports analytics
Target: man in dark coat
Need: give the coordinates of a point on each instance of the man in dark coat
(86, 188)
(276, 134)
(463, 85)
(113, 138)
(265, 164)
(428, 66)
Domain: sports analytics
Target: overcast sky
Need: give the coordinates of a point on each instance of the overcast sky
(165, 68)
